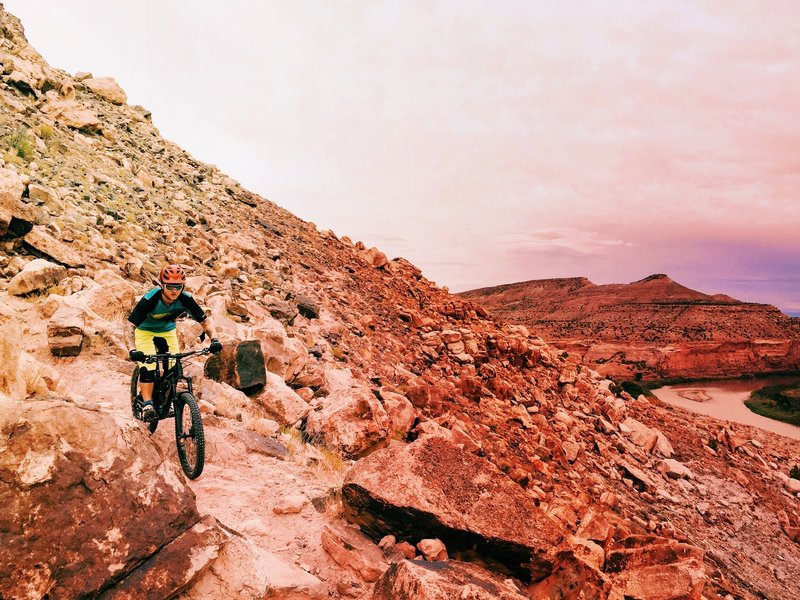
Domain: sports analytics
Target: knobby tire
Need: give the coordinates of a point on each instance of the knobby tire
(191, 449)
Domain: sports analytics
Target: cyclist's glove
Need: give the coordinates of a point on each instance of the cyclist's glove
(215, 346)
(136, 355)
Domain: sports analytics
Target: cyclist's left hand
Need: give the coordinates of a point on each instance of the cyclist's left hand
(215, 346)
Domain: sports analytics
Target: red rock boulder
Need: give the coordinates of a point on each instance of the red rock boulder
(350, 421)
(434, 489)
(655, 568)
(240, 365)
(423, 580)
(87, 497)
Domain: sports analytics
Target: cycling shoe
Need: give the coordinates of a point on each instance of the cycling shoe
(148, 412)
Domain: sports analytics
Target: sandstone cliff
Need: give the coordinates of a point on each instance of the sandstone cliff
(369, 434)
(652, 329)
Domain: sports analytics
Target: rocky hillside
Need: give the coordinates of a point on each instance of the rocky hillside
(369, 434)
(653, 328)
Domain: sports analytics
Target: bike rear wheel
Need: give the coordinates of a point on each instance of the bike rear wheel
(189, 435)
(137, 409)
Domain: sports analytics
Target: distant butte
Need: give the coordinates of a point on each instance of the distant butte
(650, 329)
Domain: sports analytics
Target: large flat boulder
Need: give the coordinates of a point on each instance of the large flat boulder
(210, 560)
(65, 331)
(285, 356)
(44, 244)
(247, 572)
(351, 421)
(402, 414)
(37, 275)
(353, 550)
(423, 580)
(434, 489)
(87, 498)
(655, 568)
(106, 87)
(73, 114)
(280, 401)
(176, 566)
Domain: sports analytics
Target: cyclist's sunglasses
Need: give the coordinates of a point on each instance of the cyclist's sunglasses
(173, 286)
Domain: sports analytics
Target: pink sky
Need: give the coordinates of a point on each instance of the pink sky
(487, 142)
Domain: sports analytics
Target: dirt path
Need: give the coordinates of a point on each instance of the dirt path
(244, 478)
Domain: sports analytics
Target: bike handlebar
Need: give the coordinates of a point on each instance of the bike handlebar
(151, 358)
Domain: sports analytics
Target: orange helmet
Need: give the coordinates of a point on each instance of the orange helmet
(172, 274)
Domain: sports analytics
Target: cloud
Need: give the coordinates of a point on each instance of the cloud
(576, 240)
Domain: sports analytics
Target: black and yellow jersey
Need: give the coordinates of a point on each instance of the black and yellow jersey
(151, 314)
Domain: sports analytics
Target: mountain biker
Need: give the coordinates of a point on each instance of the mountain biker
(154, 316)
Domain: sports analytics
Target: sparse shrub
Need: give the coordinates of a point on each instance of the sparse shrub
(45, 131)
(794, 473)
(11, 157)
(20, 145)
(333, 460)
(293, 438)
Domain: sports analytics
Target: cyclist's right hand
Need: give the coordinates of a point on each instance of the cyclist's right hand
(136, 355)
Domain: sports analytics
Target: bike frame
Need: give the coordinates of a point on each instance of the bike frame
(168, 378)
(173, 396)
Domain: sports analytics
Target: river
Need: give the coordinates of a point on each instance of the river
(725, 400)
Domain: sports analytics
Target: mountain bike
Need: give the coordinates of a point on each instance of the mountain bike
(173, 397)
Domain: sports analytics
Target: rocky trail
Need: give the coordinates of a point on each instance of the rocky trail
(277, 491)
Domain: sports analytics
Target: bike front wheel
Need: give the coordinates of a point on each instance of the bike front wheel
(189, 435)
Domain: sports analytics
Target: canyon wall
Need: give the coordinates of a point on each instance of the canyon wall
(650, 329)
